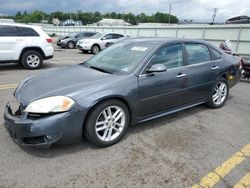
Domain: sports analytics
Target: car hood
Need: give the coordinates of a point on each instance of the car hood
(88, 40)
(60, 81)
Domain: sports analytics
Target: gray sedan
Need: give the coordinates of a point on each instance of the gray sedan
(70, 41)
(130, 82)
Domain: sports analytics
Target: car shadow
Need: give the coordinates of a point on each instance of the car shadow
(59, 150)
(16, 66)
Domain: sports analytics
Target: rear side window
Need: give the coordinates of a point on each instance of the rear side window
(216, 55)
(170, 56)
(27, 32)
(8, 31)
(197, 53)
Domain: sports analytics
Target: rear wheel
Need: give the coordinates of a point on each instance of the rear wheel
(71, 45)
(32, 59)
(107, 123)
(95, 49)
(219, 94)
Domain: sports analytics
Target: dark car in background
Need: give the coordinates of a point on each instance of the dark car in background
(130, 82)
(71, 40)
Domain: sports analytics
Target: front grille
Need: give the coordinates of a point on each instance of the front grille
(35, 140)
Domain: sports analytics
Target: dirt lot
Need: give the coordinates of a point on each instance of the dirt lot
(174, 151)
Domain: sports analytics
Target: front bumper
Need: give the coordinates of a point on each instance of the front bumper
(86, 47)
(61, 44)
(43, 131)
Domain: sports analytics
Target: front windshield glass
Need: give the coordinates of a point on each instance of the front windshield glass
(72, 34)
(97, 36)
(120, 58)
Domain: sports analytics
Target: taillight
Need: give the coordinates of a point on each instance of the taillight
(49, 40)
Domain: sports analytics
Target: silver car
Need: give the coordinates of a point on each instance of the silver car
(71, 40)
(98, 42)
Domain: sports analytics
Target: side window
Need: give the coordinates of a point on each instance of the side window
(170, 56)
(216, 55)
(197, 53)
(117, 36)
(27, 32)
(8, 31)
(107, 37)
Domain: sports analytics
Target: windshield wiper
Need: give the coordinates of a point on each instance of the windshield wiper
(100, 69)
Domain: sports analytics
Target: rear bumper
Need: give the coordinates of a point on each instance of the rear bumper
(42, 132)
(48, 51)
(234, 77)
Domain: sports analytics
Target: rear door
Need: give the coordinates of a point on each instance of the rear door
(203, 70)
(163, 91)
(8, 42)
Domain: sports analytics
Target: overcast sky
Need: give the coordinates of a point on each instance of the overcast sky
(183, 9)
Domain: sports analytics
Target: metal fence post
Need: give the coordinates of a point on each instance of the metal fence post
(238, 40)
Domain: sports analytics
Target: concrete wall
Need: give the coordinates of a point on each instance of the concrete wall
(239, 35)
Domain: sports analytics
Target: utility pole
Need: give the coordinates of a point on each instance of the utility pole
(215, 10)
(169, 13)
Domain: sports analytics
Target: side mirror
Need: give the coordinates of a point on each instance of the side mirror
(156, 68)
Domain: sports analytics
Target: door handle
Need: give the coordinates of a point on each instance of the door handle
(19, 40)
(215, 67)
(180, 75)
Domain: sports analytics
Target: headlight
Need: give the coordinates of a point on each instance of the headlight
(50, 104)
(86, 42)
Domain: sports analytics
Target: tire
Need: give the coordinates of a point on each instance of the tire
(95, 49)
(219, 94)
(71, 45)
(32, 60)
(110, 131)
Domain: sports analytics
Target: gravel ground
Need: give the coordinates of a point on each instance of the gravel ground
(173, 151)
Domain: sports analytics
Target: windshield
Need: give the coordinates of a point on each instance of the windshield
(120, 58)
(72, 34)
(97, 36)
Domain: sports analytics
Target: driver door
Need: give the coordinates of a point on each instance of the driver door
(106, 38)
(164, 91)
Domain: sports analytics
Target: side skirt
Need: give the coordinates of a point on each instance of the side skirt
(164, 113)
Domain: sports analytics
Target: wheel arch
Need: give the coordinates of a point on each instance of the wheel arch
(96, 44)
(119, 98)
(35, 48)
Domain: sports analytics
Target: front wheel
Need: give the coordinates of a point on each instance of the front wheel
(95, 49)
(71, 45)
(107, 123)
(219, 94)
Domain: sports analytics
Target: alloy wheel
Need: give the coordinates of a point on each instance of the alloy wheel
(33, 60)
(220, 93)
(110, 123)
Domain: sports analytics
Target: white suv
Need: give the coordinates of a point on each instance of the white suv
(26, 44)
(98, 42)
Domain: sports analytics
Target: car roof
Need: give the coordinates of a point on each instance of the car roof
(19, 24)
(160, 40)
